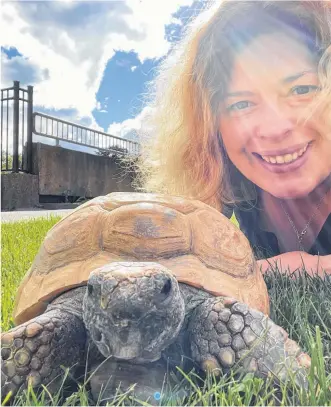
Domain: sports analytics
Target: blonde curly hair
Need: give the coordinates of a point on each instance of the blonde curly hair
(181, 150)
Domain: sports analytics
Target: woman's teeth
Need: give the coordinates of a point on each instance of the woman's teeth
(284, 159)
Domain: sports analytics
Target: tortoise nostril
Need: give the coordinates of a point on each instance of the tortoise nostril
(167, 287)
(97, 335)
(89, 288)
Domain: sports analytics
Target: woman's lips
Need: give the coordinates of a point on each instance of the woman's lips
(283, 151)
(284, 167)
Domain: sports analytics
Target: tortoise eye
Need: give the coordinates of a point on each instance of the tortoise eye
(166, 288)
(90, 289)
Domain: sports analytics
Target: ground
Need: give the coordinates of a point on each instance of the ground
(301, 306)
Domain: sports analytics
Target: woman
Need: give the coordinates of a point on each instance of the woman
(240, 118)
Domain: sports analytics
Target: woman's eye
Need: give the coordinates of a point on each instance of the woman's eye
(304, 89)
(244, 104)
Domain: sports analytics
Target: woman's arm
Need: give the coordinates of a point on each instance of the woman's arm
(291, 262)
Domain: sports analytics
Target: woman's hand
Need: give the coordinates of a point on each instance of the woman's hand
(293, 262)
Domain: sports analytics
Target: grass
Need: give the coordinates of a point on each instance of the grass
(20, 242)
(302, 306)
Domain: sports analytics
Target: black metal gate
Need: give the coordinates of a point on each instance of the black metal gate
(16, 128)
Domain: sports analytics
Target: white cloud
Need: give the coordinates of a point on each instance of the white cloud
(101, 108)
(133, 68)
(129, 128)
(20, 68)
(151, 16)
(68, 44)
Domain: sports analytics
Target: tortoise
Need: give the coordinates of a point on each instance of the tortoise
(141, 278)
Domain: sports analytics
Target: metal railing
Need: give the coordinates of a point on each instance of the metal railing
(19, 123)
(62, 130)
(16, 128)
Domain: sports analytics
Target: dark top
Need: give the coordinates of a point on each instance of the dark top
(265, 244)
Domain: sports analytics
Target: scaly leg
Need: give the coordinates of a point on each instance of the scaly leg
(225, 333)
(35, 350)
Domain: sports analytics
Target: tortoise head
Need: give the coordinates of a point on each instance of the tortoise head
(133, 310)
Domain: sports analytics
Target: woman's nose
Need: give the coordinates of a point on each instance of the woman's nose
(276, 122)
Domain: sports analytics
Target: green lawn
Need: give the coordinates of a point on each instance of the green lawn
(302, 307)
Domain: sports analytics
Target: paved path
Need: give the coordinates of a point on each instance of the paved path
(15, 216)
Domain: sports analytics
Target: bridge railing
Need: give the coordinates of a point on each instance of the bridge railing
(62, 130)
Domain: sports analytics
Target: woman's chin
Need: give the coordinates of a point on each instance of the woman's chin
(297, 188)
(284, 191)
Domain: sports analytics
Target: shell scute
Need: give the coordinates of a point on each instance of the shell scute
(220, 244)
(146, 230)
(63, 237)
(70, 241)
(182, 205)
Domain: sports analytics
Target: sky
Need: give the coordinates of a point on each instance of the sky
(89, 61)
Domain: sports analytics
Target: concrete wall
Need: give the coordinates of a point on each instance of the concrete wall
(73, 173)
(18, 191)
(61, 172)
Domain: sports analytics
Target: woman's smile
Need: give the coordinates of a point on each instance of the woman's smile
(280, 162)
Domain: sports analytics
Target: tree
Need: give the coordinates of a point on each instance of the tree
(113, 151)
(10, 161)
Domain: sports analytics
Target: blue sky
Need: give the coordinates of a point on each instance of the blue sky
(89, 62)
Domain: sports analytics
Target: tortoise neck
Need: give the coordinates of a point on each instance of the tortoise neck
(70, 301)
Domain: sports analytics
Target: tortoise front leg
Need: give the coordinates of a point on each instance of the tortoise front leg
(35, 351)
(225, 333)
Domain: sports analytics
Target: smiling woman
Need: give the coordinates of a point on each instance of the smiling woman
(241, 120)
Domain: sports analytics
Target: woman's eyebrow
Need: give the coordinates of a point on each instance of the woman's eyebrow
(294, 77)
(288, 79)
(239, 93)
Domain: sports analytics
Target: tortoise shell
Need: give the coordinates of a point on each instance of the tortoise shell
(197, 243)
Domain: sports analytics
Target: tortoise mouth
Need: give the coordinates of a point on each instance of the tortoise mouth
(149, 356)
(123, 344)
(127, 353)
(118, 349)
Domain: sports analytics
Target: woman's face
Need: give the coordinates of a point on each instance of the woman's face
(273, 80)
